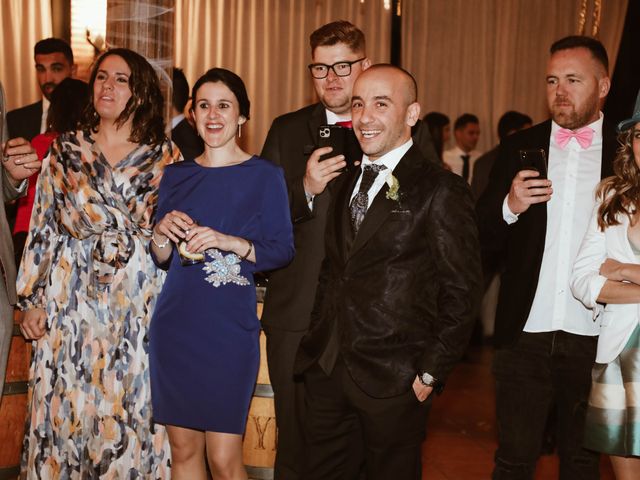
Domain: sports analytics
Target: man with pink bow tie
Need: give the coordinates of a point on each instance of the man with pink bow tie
(545, 338)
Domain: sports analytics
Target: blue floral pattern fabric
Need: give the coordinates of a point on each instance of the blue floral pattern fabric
(86, 263)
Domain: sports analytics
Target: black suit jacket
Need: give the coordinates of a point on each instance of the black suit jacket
(25, 122)
(403, 295)
(291, 290)
(520, 246)
(187, 140)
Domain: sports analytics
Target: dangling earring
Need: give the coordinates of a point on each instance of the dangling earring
(239, 130)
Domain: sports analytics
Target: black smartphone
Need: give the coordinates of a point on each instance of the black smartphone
(342, 140)
(534, 159)
(333, 136)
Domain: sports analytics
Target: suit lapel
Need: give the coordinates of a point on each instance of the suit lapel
(318, 117)
(406, 172)
(609, 146)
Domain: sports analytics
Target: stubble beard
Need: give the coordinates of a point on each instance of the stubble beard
(575, 118)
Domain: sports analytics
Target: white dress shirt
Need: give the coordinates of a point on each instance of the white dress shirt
(389, 160)
(45, 111)
(176, 120)
(574, 172)
(453, 158)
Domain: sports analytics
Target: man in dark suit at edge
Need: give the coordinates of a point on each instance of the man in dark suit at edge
(338, 56)
(54, 62)
(545, 338)
(182, 133)
(397, 292)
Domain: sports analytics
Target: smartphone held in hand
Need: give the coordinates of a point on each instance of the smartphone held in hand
(342, 140)
(534, 159)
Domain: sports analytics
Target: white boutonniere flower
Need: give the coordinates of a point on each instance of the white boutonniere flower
(394, 187)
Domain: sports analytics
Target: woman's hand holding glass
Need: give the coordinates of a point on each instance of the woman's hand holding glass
(33, 323)
(174, 225)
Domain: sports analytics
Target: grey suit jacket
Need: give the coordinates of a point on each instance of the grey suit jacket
(9, 192)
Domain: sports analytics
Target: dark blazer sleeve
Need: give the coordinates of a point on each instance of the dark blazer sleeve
(453, 235)
(274, 150)
(25, 122)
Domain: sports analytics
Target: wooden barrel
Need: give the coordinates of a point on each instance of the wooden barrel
(260, 436)
(13, 409)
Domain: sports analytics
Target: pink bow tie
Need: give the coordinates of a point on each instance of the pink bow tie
(345, 124)
(584, 136)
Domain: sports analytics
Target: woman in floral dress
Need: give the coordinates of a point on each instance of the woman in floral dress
(88, 285)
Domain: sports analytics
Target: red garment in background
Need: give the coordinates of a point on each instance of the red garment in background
(41, 143)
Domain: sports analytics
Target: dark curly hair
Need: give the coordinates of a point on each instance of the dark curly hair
(620, 194)
(146, 105)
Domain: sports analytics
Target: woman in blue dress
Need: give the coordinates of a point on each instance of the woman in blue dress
(223, 216)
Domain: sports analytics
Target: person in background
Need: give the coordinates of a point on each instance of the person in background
(229, 211)
(440, 130)
(18, 161)
(68, 101)
(88, 285)
(606, 278)
(510, 122)
(54, 62)
(182, 133)
(460, 158)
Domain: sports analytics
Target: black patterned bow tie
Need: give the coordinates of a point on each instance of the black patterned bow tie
(360, 202)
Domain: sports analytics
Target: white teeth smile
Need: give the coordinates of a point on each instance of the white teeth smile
(369, 133)
(213, 126)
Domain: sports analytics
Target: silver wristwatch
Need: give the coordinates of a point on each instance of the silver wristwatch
(427, 379)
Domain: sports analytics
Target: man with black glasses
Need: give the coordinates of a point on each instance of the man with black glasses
(338, 58)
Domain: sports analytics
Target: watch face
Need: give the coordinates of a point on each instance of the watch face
(428, 380)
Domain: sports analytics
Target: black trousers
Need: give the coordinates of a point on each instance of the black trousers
(288, 397)
(543, 371)
(338, 413)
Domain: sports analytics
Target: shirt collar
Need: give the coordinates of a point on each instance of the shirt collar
(595, 126)
(176, 120)
(45, 104)
(390, 159)
(332, 118)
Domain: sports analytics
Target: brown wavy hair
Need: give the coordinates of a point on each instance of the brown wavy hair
(146, 105)
(620, 194)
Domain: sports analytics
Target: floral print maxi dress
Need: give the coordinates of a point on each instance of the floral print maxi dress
(86, 263)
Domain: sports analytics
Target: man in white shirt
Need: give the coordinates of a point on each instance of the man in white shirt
(466, 132)
(54, 62)
(545, 338)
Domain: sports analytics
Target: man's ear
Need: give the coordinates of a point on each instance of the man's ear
(413, 114)
(604, 84)
(366, 63)
(74, 70)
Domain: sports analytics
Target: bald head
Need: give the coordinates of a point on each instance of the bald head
(383, 109)
(406, 83)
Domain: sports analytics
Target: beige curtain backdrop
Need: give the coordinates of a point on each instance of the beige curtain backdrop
(266, 42)
(23, 23)
(489, 56)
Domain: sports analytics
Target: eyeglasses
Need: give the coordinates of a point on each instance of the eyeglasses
(341, 69)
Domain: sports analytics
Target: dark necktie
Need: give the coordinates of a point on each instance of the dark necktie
(465, 166)
(360, 202)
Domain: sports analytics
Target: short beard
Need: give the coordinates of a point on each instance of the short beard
(576, 119)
